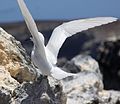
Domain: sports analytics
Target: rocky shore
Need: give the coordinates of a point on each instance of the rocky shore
(21, 84)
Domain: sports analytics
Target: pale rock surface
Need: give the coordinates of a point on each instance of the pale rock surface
(83, 88)
(87, 86)
(86, 63)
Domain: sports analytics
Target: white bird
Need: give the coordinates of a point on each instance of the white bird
(45, 57)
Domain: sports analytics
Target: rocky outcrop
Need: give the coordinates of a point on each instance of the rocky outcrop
(87, 86)
(14, 58)
(19, 80)
(7, 86)
(43, 91)
(21, 84)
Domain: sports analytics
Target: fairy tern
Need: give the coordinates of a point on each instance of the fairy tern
(45, 57)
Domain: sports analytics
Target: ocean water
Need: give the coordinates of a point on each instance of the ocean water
(62, 9)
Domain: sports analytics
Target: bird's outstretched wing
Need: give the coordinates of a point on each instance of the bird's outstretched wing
(68, 29)
(38, 38)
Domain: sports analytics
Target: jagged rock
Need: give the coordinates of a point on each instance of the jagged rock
(7, 85)
(109, 97)
(83, 88)
(42, 91)
(80, 63)
(87, 86)
(19, 80)
(87, 63)
(6, 80)
(14, 58)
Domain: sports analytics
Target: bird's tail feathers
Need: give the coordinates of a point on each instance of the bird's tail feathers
(59, 74)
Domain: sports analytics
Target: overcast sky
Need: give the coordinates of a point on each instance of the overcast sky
(60, 9)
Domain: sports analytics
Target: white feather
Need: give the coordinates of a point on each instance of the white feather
(59, 74)
(68, 29)
(38, 55)
(37, 36)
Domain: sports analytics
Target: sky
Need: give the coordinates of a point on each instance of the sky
(59, 9)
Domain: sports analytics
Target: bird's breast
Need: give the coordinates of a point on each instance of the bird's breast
(41, 63)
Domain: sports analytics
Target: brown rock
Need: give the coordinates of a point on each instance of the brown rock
(12, 57)
(6, 80)
(7, 86)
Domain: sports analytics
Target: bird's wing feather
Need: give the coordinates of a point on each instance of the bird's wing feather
(68, 29)
(37, 36)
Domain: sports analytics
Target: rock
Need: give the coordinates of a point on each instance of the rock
(109, 97)
(20, 82)
(67, 65)
(7, 86)
(14, 58)
(87, 63)
(43, 91)
(83, 88)
(6, 80)
(80, 63)
(108, 56)
(87, 86)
